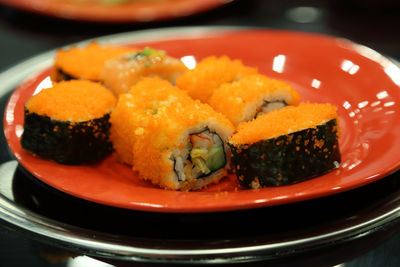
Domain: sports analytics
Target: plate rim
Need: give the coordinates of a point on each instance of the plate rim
(40, 62)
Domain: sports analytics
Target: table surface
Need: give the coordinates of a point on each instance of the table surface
(375, 24)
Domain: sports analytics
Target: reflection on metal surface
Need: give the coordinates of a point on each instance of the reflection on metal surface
(189, 62)
(6, 173)
(278, 63)
(303, 14)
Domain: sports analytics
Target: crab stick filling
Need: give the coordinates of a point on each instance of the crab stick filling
(205, 155)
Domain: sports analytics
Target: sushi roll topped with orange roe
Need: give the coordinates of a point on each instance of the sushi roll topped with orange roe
(286, 146)
(84, 62)
(283, 122)
(170, 139)
(69, 122)
(185, 143)
(211, 73)
(251, 96)
(135, 110)
(72, 101)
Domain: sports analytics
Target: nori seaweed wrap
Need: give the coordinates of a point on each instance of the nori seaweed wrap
(69, 123)
(286, 146)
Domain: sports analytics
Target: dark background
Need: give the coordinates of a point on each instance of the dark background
(372, 23)
(375, 24)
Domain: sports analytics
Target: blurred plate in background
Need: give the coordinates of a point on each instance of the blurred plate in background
(116, 11)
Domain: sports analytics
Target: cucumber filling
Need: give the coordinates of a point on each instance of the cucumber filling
(205, 155)
(146, 53)
(208, 160)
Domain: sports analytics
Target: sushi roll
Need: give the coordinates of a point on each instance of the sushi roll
(123, 72)
(251, 96)
(135, 109)
(177, 143)
(84, 62)
(286, 146)
(184, 149)
(211, 73)
(69, 122)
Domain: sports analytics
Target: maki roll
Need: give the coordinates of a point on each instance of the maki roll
(121, 73)
(135, 109)
(69, 122)
(286, 146)
(84, 62)
(177, 143)
(251, 96)
(184, 148)
(211, 73)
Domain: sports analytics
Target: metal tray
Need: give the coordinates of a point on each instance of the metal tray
(274, 233)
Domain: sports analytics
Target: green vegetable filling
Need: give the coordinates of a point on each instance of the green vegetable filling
(208, 160)
(148, 52)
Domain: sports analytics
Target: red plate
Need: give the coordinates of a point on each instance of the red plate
(130, 11)
(362, 83)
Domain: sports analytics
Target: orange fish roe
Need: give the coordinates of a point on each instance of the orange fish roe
(123, 124)
(155, 120)
(148, 91)
(170, 108)
(173, 117)
(74, 101)
(209, 74)
(134, 111)
(169, 131)
(240, 100)
(86, 62)
(282, 122)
